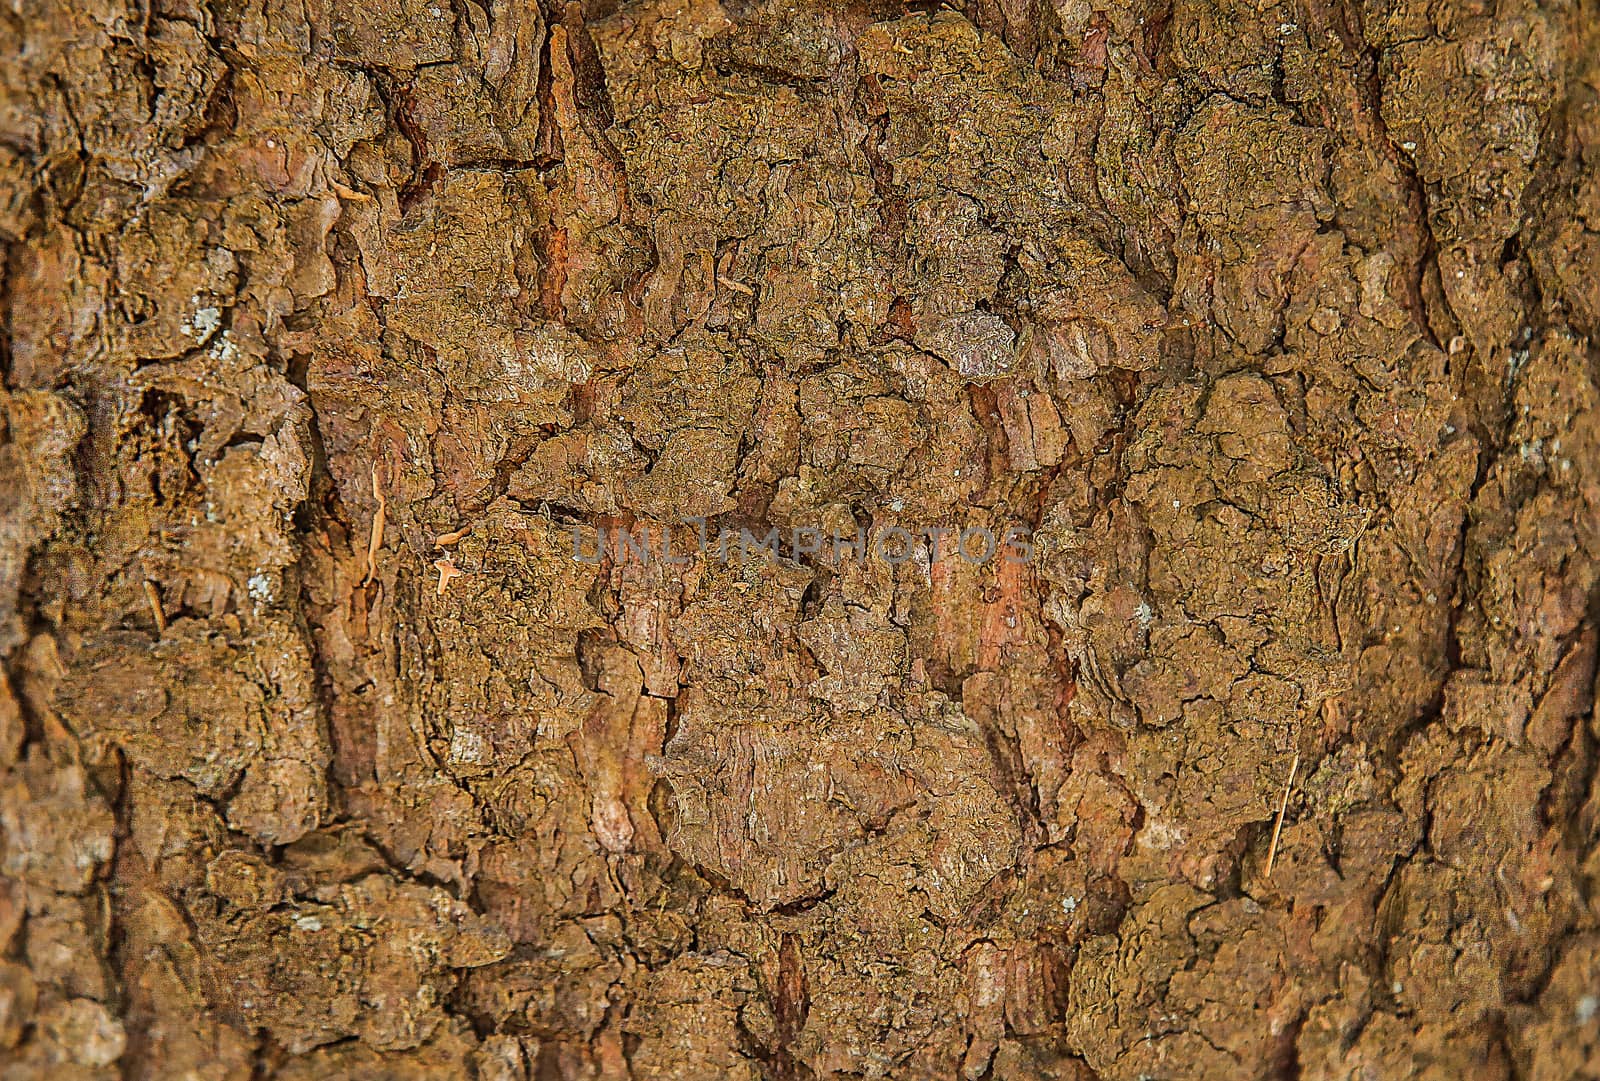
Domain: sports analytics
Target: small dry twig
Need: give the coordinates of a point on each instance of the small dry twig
(375, 541)
(445, 540)
(447, 570)
(154, 596)
(346, 192)
(1277, 827)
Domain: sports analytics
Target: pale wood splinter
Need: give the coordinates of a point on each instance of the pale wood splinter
(1283, 808)
(375, 540)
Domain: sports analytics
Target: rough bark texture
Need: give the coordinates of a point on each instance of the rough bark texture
(1277, 322)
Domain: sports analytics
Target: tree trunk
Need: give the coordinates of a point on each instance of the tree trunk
(668, 540)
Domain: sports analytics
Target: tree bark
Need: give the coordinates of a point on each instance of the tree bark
(345, 349)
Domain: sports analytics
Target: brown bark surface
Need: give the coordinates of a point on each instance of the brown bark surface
(325, 327)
